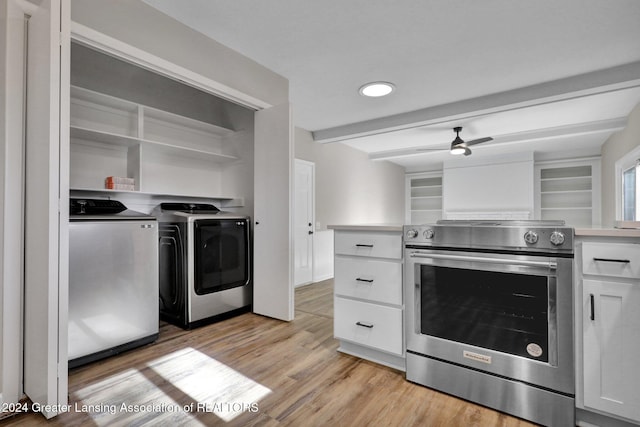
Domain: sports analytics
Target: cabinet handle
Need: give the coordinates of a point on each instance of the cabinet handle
(310, 232)
(364, 280)
(365, 325)
(363, 246)
(623, 261)
(593, 307)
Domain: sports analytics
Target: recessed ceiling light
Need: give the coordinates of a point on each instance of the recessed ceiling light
(376, 89)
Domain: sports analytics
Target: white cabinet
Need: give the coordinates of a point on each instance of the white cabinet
(369, 244)
(423, 198)
(368, 303)
(609, 328)
(569, 191)
(372, 325)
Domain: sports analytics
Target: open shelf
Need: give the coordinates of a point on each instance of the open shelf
(163, 152)
(175, 195)
(566, 191)
(424, 193)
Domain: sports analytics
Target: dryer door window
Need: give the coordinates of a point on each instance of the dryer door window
(221, 254)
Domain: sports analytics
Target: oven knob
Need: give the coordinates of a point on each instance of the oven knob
(428, 233)
(412, 234)
(531, 237)
(557, 238)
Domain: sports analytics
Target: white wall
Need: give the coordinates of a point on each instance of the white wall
(613, 149)
(144, 27)
(350, 188)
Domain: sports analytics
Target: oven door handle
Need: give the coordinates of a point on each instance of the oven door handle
(549, 264)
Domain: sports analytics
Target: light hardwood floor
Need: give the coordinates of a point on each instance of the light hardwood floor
(255, 371)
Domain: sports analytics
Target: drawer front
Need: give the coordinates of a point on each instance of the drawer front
(371, 325)
(611, 259)
(369, 244)
(369, 279)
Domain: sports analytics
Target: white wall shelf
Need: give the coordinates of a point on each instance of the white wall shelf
(423, 198)
(105, 191)
(164, 153)
(570, 191)
(112, 139)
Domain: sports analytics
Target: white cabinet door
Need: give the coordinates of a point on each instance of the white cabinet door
(611, 327)
(273, 198)
(46, 205)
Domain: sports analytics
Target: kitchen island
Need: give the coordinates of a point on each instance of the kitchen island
(368, 303)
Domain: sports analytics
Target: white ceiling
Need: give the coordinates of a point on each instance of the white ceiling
(550, 76)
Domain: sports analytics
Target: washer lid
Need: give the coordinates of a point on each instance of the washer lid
(102, 209)
(79, 206)
(192, 208)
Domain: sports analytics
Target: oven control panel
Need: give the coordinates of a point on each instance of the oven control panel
(492, 235)
(418, 234)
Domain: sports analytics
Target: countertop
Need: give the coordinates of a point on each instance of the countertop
(607, 232)
(368, 227)
(579, 232)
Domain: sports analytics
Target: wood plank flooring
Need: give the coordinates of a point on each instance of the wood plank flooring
(255, 371)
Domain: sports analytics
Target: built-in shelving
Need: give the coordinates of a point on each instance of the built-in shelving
(163, 152)
(424, 198)
(105, 191)
(569, 191)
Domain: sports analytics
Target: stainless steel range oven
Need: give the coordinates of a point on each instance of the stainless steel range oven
(488, 314)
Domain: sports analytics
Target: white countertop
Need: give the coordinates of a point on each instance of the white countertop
(367, 227)
(607, 232)
(585, 232)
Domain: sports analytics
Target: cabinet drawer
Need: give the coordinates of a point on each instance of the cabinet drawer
(368, 324)
(369, 244)
(370, 279)
(611, 259)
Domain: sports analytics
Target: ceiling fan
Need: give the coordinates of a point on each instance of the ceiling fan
(459, 146)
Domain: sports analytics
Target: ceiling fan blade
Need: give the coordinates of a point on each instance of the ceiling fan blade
(478, 141)
(467, 152)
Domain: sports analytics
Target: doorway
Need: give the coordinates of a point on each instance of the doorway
(304, 208)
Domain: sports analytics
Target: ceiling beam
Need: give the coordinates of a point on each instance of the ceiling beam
(602, 126)
(597, 82)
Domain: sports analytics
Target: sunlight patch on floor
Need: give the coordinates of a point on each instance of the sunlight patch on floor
(127, 398)
(213, 386)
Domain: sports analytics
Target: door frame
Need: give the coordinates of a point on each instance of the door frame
(312, 165)
(84, 35)
(129, 53)
(78, 33)
(46, 214)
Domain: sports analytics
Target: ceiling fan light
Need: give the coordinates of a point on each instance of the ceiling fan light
(457, 150)
(376, 89)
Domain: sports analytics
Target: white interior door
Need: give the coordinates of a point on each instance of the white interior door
(304, 220)
(46, 205)
(13, 19)
(273, 198)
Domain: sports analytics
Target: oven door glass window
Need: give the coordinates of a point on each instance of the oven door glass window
(221, 257)
(506, 312)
